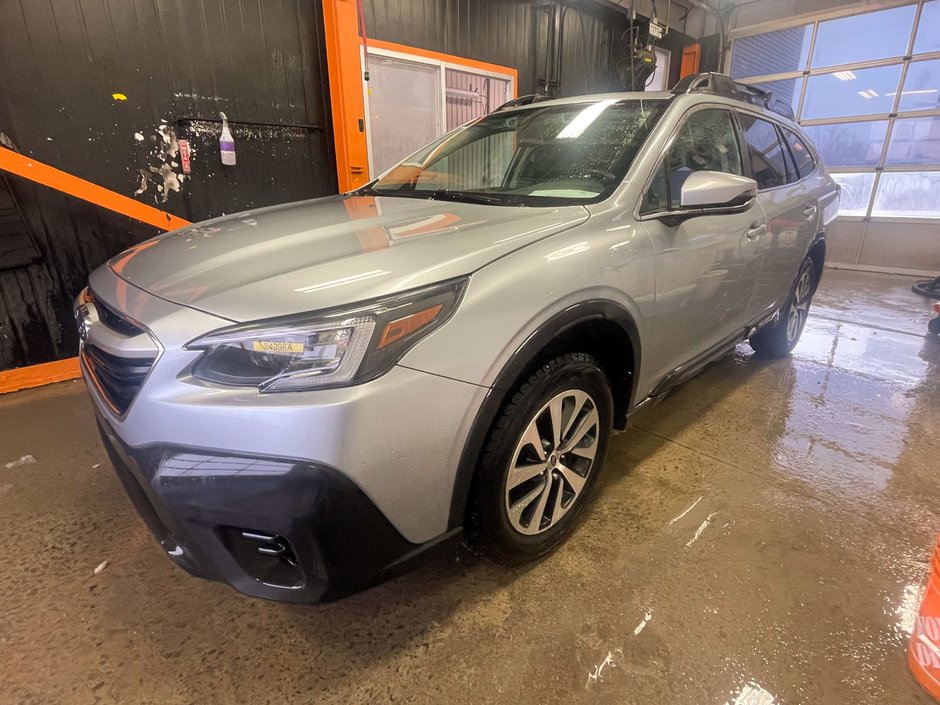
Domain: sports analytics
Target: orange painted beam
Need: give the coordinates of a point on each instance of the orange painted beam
(46, 175)
(38, 375)
(344, 66)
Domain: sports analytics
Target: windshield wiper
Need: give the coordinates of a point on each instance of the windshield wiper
(464, 197)
(439, 195)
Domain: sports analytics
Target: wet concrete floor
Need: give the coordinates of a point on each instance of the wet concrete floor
(759, 539)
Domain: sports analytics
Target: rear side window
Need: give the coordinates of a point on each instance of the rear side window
(707, 141)
(768, 165)
(804, 159)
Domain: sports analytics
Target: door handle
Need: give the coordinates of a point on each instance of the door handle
(809, 211)
(756, 231)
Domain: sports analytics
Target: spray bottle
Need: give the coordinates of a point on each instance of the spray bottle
(226, 143)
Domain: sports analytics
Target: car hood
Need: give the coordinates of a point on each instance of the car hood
(329, 252)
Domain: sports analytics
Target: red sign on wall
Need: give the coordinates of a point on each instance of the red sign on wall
(185, 156)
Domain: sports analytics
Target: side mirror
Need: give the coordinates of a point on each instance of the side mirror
(715, 191)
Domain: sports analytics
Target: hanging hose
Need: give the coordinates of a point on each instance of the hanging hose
(927, 287)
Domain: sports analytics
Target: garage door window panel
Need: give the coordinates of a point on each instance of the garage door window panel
(915, 141)
(771, 53)
(851, 93)
(865, 37)
(849, 144)
(928, 29)
(856, 193)
(921, 86)
(908, 195)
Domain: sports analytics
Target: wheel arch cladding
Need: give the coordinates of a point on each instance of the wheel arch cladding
(817, 252)
(603, 329)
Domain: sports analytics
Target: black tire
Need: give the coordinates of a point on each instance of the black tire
(779, 339)
(580, 393)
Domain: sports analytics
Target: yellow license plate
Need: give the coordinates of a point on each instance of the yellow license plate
(276, 346)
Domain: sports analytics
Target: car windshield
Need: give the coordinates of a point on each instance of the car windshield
(535, 156)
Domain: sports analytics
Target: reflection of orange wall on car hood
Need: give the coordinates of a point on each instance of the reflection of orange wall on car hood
(362, 208)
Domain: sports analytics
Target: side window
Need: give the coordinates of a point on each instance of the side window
(805, 163)
(793, 173)
(765, 151)
(707, 141)
(656, 199)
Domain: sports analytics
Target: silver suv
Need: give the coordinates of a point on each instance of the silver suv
(301, 400)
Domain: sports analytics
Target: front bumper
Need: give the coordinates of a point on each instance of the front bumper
(273, 528)
(299, 496)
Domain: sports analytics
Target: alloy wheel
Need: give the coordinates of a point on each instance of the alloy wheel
(799, 309)
(552, 461)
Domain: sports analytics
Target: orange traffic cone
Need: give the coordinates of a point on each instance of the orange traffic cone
(923, 655)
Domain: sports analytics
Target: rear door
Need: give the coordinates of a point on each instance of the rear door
(706, 266)
(790, 207)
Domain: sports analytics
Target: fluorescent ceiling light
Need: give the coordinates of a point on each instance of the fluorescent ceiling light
(920, 92)
(583, 120)
(869, 94)
(844, 75)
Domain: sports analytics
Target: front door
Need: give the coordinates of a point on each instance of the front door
(706, 266)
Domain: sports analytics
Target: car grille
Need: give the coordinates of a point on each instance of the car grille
(117, 378)
(115, 321)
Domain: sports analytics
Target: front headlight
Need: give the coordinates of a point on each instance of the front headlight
(326, 349)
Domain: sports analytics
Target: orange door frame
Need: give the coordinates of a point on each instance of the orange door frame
(344, 66)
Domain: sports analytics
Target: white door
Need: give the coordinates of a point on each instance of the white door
(404, 99)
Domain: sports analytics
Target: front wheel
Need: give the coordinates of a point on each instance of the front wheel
(779, 339)
(542, 460)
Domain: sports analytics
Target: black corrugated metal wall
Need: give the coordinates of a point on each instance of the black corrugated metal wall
(178, 63)
(514, 33)
(561, 48)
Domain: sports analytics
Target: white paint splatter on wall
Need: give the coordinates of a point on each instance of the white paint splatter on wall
(171, 180)
(163, 149)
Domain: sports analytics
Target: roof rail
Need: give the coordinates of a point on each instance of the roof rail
(727, 87)
(523, 100)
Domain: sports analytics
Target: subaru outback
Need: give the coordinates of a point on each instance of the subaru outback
(304, 399)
